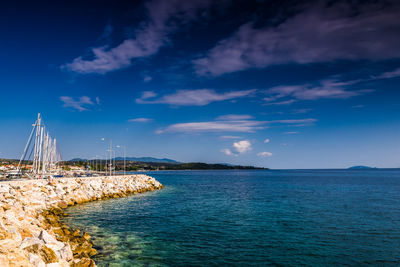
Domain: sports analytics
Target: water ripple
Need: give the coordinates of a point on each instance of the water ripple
(251, 218)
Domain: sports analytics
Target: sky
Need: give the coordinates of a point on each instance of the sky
(278, 84)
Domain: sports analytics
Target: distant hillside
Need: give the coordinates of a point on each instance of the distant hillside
(361, 168)
(140, 159)
(148, 159)
(150, 164)
(77, 159)
(206, 166)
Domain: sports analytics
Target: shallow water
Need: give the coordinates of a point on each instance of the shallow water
(251, 218)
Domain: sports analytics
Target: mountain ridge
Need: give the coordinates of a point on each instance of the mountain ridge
(137, 159)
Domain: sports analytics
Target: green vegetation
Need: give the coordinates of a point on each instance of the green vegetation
(102, 165)
(136, 166)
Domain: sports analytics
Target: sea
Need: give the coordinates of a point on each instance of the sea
(251, 218)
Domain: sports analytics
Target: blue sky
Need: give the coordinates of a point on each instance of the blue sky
(294, 84)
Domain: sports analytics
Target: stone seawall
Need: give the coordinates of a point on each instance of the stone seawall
(30, 230)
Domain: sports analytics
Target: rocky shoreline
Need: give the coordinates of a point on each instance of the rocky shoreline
(31, 231)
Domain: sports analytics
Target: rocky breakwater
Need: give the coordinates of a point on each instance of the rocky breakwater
(31, 233)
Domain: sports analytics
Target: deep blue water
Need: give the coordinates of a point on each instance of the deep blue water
(251, 218)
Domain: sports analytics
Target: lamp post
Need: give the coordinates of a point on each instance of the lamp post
(110, 157)
(124, 147)
(110, 150)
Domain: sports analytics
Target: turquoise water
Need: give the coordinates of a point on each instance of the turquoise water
(251, 218)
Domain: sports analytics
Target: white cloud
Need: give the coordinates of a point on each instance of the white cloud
(150, 36)
(234, 117)
(266, 141)
(140, 120)
(76, 104)
(228, 152)
(242, 146)
(239, 147)
(199, 97)
(264, 154)
(324, 32)
(97, 100)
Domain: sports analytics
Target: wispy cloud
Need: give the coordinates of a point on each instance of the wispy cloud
(234, 117)
(323, 32)
(147, 78)
(199, 97)
(279, 103)
(228, 152)
(231, 125)
(388, 75)
(230, 137)
(325, 89)
(147, 95)
(264, 154)
(215, 126)
(140, 120)
(291, 132)
(108, 30)
(80, 104)
(266, 141)
(295, 121)
(301, 111)
(357, 106)
(150, 36)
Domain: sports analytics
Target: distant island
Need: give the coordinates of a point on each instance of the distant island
(361, 168)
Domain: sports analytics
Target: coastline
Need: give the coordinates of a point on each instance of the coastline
(31, 233)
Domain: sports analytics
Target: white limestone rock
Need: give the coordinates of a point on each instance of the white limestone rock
(36, 260)
(65, 253)
(30, 241)
(46, 237)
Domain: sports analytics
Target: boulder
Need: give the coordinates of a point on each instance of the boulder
(8, 245)
(86, 236)
(56, 246)
(65, 253)
(29, 241)
(84, 262)
(36, 260)
(48, 255)
(46, 237)
(4, 188)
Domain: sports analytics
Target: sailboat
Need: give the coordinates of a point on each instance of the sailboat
(45, 152)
